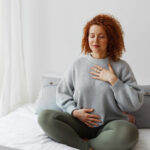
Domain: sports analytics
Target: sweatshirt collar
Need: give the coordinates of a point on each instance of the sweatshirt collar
(100, 61)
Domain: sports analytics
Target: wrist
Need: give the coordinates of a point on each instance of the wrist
(113, 80)
(74, 112)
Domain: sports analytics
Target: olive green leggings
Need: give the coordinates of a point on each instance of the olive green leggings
(66, 129)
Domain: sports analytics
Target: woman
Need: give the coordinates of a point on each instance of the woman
(94, 92)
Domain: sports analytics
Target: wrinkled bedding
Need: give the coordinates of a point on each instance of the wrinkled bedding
(20, 130)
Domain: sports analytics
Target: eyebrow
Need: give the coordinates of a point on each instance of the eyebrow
(94, 33)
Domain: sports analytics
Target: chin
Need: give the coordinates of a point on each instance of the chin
(98, 51)
(95, 51)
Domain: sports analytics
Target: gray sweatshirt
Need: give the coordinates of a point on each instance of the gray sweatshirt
(77, 89)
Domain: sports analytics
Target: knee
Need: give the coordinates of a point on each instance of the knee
(127, 131)
(44, 116)
(130, 132)
(48, 117)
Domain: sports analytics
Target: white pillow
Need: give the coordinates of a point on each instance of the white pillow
(47, 95)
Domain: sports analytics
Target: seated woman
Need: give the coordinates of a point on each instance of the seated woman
(94, 92)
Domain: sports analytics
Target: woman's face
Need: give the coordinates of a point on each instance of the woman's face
(97, 39)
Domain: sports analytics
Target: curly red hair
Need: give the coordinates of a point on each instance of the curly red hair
(114, 33)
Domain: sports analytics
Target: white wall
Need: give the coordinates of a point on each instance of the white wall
(53, 32)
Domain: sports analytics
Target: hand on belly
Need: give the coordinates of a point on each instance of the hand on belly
(91, 120)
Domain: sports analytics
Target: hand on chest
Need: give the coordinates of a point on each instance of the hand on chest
(85, 82)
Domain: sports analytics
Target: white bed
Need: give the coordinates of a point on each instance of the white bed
(20, 130)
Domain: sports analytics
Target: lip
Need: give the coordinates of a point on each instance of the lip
(96, 45)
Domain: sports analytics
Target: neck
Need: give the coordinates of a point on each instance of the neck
(98, 56)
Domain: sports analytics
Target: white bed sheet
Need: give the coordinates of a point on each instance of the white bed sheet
(21, 130)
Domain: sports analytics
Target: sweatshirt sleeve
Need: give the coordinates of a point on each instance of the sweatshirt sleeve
(126, 91)
(65, 91)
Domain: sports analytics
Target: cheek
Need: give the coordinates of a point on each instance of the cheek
(90, 41)
(104, 42)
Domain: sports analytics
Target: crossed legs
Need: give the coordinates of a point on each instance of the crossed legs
(63, 128)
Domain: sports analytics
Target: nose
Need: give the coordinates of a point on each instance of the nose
(96, 39)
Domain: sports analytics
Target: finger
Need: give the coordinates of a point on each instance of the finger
(89, 125)
(125, 112)
(94, 77)
(95, 73)
(88, 109)
(98, 67)
(96, 120)
(95, 69)
(93, 123)
(110, 67)
(94, 116)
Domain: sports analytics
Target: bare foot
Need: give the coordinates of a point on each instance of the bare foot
(90, 149)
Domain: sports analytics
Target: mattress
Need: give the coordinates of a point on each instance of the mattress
(20, 130)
